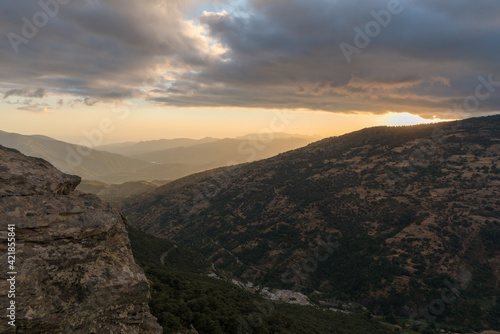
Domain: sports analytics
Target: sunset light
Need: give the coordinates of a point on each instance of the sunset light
(398, 119)
(250, 166)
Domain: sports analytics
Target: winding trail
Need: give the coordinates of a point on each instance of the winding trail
(164, 255)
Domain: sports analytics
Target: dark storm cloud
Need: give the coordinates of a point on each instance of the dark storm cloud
(430, 57)
(427, 59)
(104, 51)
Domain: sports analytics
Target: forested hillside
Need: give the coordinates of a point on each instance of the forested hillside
(413, 210)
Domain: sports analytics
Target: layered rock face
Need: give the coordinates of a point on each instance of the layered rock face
(74, 264)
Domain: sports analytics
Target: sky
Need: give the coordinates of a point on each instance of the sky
(139, 70)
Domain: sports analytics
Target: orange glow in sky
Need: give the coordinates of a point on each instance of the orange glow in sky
(150, 123)
(398, 119)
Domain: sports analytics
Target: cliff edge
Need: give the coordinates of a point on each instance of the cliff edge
(73, 270)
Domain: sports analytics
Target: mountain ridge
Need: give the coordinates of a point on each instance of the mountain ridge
(143, 147)
(94, 164)
(223, 151)
(70, 158)
(420, 202)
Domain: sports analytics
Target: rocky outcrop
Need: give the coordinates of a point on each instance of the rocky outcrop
(74, 267)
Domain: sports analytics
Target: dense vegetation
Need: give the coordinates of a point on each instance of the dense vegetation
(182, 296)
(413, 210)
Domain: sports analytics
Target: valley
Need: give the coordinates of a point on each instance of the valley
(158, 160)
(364, 233)
(412, 210)
(250, 167)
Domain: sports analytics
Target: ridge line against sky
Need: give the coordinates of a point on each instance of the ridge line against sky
(181, 67)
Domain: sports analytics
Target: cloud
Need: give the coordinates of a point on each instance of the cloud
(86, 101)
(30, 100)
(36, 108)
(266, 54)
(23, 92)
(287, 53)
(105, 51)
(89, 102)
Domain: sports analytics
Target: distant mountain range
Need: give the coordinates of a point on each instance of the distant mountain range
(217, 152)
(167, 159)
(388, 230)
(222, 151)
(144, 147)
(398, 219)
(68, 158)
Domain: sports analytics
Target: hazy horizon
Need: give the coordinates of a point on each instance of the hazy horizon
(343, 125)
(384, 227)
(220, 68)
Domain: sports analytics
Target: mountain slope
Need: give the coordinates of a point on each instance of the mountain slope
(171, 164)
(96, 165)
(182, 299)
(411, 208)
(68, 158)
